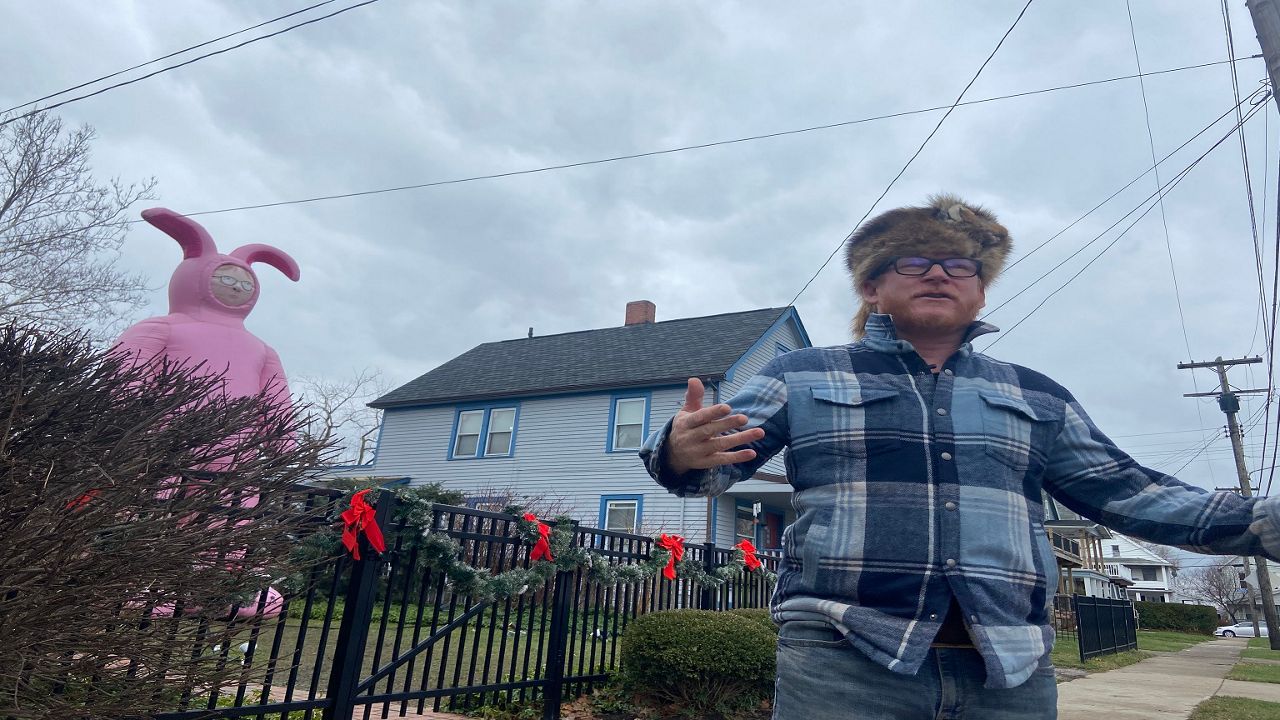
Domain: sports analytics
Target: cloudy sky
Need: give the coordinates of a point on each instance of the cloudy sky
(403, 92)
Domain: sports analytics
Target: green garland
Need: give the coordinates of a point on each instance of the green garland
(439, 552)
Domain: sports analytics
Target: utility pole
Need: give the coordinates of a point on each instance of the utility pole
(1266, 22)
(1229, 401)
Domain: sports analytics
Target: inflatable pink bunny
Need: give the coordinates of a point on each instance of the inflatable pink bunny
(210, 294)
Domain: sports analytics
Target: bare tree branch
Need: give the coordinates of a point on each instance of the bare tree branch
(339, 412)
(61, 231)
(1217, 585)
(123, 488)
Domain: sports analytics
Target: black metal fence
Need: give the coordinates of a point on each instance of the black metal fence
(388, 635)
(1104, 625)
(1064, 617)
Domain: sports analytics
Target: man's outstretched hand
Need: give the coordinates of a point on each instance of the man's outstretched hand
(702, 438)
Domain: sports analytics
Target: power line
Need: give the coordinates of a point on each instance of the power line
(1244, 160)
(73, 88)
(718, 143)
(198, 58)
(1155, 168)
(1205, 446)
(1164, 220)
(916, 154)
(1108, 199)
(1163, 432)
(1067, 259)
(1167, 188)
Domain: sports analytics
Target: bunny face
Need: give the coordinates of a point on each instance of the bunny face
(209, 285)
(232, 285)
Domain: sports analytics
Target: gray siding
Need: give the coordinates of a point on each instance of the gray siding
(764, 352)
(560, 463)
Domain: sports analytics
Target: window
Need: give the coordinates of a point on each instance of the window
(469, 424)
(1115, 551)
(780, 349)
(621, 513)
(484, 432)
(1145, 573)
(744, 523)
(502, 425)
(629, 418)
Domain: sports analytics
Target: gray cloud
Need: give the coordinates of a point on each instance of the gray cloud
(400, 93)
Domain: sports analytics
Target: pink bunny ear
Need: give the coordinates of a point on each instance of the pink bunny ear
(193, 238)
(274, 257)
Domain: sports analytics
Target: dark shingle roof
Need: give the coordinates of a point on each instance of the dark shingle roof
(626, 356)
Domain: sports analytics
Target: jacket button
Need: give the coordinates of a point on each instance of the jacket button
(951, 562)
(942, 411)
(946, 456)
(950, 505)
(947, 372)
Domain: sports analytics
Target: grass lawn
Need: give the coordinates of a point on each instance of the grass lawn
(1066, 653)
(1229, 708)
(1166, 641)
(506, 654)
(1255, 673)
(1260, 649)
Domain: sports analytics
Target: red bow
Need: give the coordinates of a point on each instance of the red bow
(675, 545)
(542, 548)
(83, 500)
(359, 518)
(749, 554)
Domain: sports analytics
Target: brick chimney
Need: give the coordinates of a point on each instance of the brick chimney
(641, 312)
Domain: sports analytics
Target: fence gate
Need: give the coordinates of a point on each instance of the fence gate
(1104, 626)
(394, 640)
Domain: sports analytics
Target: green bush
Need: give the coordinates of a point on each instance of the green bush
(760, 615)
(706, 663)
(1199, 619)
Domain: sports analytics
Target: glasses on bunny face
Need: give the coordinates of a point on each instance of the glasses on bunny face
(959, 267)
(231, 282)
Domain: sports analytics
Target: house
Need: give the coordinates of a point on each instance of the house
(555, 422)
(1152, 575)
(1078, 546)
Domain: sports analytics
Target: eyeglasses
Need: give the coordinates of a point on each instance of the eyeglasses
(917, 266)
(245, 285)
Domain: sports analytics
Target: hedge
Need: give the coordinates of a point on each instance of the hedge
(707, 663)
(1199, 619)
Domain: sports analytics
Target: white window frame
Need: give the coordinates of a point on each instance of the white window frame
(611, 504)
(485, 434)
(489, 432)
(458, 435)
(615, 425)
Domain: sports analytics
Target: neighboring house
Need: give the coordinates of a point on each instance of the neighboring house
(559, 419)
(1152, 575)
(1078, 545)
(1250, 602)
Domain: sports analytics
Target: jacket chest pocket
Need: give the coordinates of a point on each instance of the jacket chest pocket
(852, 421)
(1011, 429)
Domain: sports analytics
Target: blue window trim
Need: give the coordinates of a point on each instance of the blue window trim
(780, 349)
(484, 429)
(613, 416)
(604, 506)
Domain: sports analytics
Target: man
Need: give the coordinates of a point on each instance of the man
(917, 577)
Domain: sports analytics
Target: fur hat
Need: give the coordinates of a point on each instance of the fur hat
(946, 227)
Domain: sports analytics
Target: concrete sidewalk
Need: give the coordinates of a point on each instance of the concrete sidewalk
(1167, 686)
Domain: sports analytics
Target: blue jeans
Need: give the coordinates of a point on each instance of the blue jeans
(822, 677)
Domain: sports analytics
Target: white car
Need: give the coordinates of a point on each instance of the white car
(1240, 629)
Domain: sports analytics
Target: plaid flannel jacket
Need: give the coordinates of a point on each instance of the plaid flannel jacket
(902, 502)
